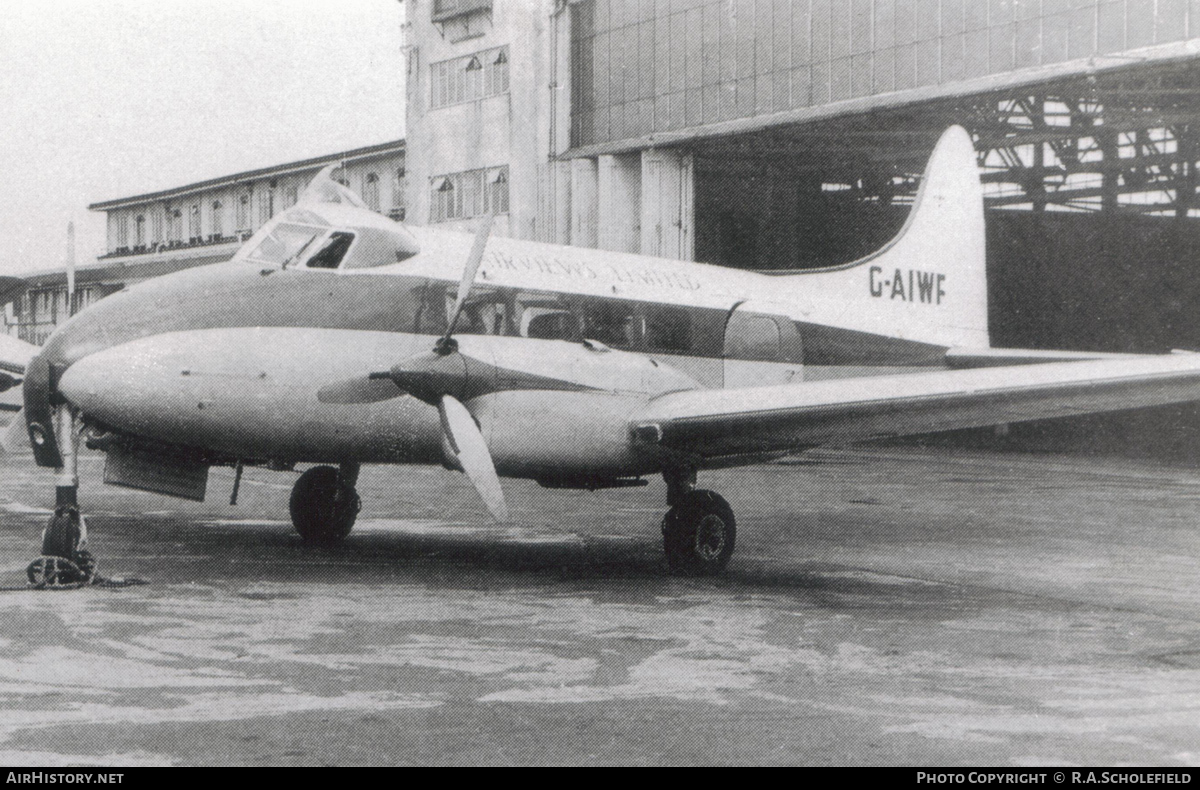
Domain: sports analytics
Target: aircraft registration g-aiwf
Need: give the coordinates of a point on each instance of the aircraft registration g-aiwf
(337, 337)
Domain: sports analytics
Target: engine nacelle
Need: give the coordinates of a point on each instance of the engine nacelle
(555, 435)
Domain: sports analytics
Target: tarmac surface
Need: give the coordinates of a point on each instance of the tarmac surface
(897, 607)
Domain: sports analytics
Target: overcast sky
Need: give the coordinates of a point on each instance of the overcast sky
(101, 100)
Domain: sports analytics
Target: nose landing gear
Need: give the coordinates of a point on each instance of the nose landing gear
(65, 560)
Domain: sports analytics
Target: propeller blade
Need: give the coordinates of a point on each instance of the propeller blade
(464, 286)
(468, 448)
(15, 437)
(367, 389)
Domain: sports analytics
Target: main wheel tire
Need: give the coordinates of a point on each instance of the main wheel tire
(323, 506)
(699, 534)
(61, 538)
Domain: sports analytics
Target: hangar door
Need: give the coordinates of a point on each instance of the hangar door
(761, 348)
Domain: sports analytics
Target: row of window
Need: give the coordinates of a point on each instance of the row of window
(39, 311)
(471, 193)
(550, 316)
(469, 77)
(621, 324)
(167, 226)
(447, 9)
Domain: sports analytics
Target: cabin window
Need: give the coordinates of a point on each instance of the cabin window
(613, 323)
(487, 312)
(331, 253)
(668, 329)
(430, 318)
(751, 337)
(548, 323)
(545, 317)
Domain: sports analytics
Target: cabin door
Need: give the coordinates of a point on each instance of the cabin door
(761, 348)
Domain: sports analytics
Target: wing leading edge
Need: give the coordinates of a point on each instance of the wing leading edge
(14, 358)
(716, 423)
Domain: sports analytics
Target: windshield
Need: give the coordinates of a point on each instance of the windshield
(332, 251)
(284, 243)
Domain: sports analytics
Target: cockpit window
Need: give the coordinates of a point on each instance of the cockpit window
(332, 251)
(285, 242)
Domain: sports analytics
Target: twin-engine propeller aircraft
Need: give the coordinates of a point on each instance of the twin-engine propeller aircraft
(337, 337)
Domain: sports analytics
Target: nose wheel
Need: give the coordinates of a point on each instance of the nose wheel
(698, 534)
(324, 504)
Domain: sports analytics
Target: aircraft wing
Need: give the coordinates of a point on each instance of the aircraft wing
(717, 423)
(14, 357)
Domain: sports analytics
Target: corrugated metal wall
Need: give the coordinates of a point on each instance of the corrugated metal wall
(645, 66)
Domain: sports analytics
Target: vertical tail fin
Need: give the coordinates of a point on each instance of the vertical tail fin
(929, 284)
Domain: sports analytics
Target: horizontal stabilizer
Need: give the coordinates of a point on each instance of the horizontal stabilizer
(966, 358)
(713, 423)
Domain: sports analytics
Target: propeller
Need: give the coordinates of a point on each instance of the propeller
(446, 344)
(464, 444)
(440, 378)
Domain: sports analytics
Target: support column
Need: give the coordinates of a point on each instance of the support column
(620, 202)
(1185, 171)
(1107, 139)
(668, 204)
(560, 211)
(584, 208)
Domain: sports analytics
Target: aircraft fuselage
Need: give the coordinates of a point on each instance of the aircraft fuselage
(228, 358)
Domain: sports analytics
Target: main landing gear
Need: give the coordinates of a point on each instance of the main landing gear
(324, 503)
(699, 530)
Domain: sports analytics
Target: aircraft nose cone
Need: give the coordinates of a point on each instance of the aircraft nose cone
(116, 385)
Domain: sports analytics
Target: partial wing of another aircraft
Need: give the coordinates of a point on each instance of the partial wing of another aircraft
(710, 424)
(14, 354)
(14, 357)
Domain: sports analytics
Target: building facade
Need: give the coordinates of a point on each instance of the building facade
(719, 129)
(157, 233)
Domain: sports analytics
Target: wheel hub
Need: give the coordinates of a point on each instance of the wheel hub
(710, 537)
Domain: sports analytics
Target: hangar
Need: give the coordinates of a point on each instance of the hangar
(779, 134)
